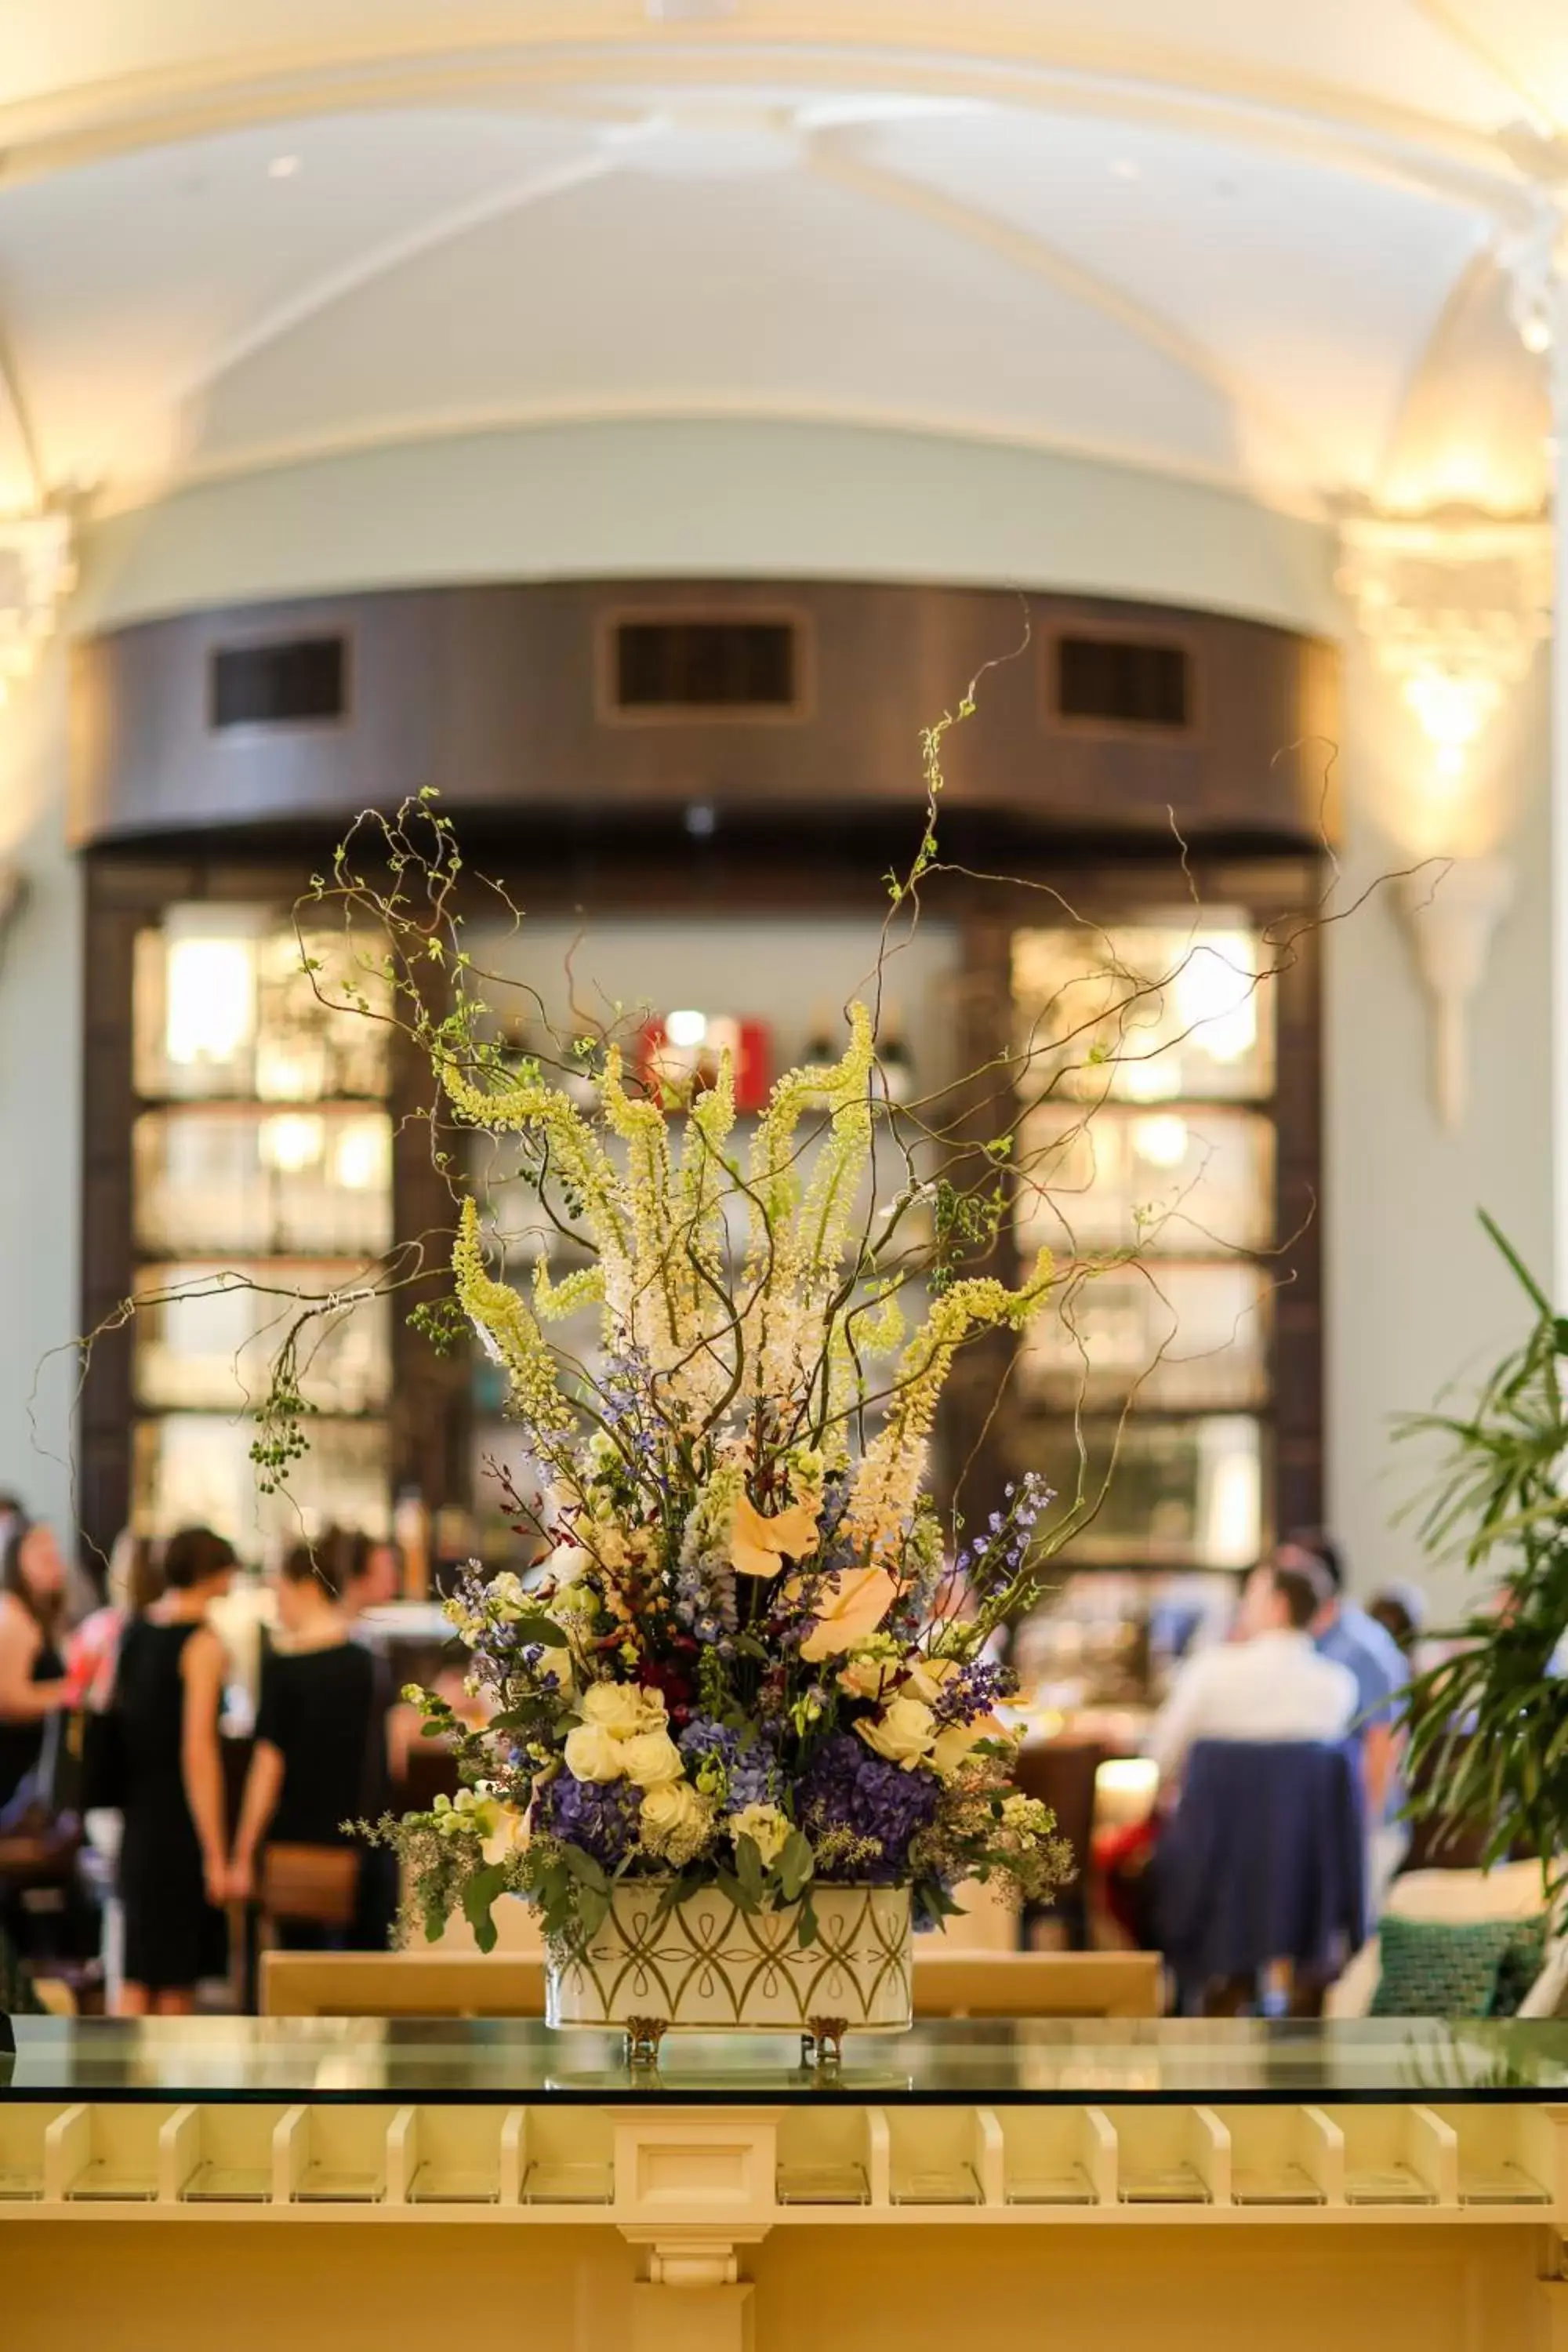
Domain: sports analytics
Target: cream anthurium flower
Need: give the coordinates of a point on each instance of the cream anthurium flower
(924, 1678)
(952, 1749)
(904, 1733)
(593, 1753)
(759, 1546)
(510, 1834)
(848, 1606)
(622, 1708)
(652, 1760)
(765, 1826)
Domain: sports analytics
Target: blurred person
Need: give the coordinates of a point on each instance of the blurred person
(173, 1866)
(134, 1581)
(372, 1574)
(13, 1513)
(1344, 1632)
(1400, 1608)
(320, 1754)
(1348, 1634)
(33, 1677)
(1269, 1683)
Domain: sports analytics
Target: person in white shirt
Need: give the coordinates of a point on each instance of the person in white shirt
(1268, 1684)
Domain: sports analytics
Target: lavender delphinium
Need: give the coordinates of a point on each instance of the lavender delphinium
(848, 1790)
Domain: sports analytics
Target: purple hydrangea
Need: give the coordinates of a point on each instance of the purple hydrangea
(601, 1817)
(752, 1775)
(845, 1787)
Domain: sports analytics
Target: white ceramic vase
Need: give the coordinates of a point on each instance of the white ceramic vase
(705, 1966)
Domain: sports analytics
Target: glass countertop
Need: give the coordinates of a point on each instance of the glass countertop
(999, 2061)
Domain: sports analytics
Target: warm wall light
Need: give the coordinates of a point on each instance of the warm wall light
(1454, 608)
(1454, 911)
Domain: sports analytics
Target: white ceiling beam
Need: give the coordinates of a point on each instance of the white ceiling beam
(1034, 257)
(940, 51)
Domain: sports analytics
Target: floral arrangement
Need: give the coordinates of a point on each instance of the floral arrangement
(745, 1656)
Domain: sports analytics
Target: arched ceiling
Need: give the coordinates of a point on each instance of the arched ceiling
(1264, 246)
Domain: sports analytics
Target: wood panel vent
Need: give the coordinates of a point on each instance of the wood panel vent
(301, 681)
(668, 664)
(1122, 682)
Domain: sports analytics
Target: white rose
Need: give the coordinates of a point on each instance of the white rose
(904, 1733)
(651, 1758)
(767, 1828)
(926, 1677)
(591, 1754)
(676, 1819)
(622, 1708)
(567, 1563)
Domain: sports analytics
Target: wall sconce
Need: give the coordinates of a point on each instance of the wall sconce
(1454, 608)
(1454, 911)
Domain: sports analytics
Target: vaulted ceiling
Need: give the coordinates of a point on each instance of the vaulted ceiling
(1246, 241)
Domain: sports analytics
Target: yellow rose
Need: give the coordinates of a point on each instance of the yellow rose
(904, 1733)
(651, 1759)
(623, 1709)
(591, 1754)
(767, 1828)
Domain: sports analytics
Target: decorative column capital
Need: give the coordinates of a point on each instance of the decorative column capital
(37, 571)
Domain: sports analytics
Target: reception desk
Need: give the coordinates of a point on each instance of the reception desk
(306, 2183)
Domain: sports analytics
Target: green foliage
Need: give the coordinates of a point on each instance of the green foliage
(1489, 1726)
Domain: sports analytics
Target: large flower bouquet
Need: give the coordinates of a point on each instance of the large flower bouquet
(748, 1655)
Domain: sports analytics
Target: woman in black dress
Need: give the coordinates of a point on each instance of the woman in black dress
(319, 1758)
(168, 1693)
(32, 1680)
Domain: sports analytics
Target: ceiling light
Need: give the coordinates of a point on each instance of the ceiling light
(283, 167)
(1124, 168)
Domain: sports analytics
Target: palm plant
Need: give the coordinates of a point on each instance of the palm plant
(1488, 1726)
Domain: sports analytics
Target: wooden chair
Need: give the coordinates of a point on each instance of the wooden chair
(1061, 1773)
(453, 1984)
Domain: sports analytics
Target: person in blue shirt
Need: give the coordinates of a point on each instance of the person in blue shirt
(1344, 1632)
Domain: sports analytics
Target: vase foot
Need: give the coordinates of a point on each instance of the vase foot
(644, 2035)
(822, 2043)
